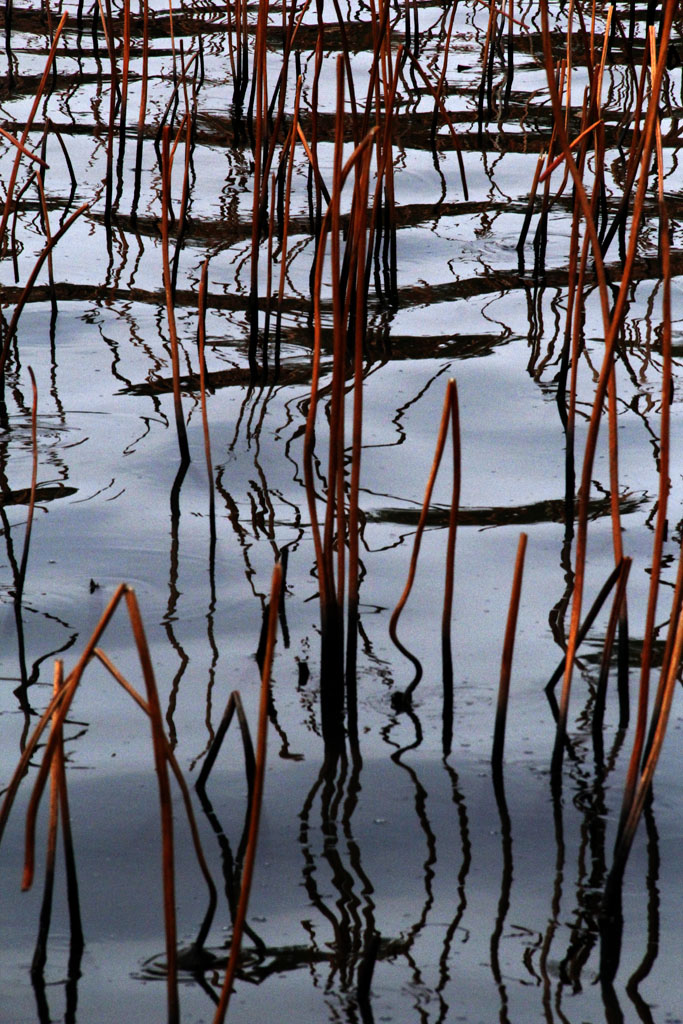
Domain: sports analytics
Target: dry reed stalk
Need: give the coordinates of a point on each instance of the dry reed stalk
(601, 686)
(254, 817)
(530, 207)
(188, 121)
(506, 660)
(57, 710)
(560, 159)
(659, 537)
(160, 762)
(77, 940)
(27, 128)
(24, 150)
(48, 237)
(108, 28)
(487, 69)
(124, 84)
(613, 325)
(229, 36)
(502, 13)
(640, 792)
(59, 704)
(585, 626)
(360, 239)
(269, 275)
(331, 690)
(165, 201)
(334, 511)
(447, 418)
(444, 67)
(314, 164)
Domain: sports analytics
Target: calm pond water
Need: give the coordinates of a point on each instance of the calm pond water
(486, 908)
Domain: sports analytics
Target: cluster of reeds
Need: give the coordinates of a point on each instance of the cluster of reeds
(52, 765)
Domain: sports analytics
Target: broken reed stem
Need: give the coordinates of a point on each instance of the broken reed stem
(506, 661)
(254, 817)
(446, 416)
(159, 744)
(60, 703)
(166, 168)
(234, 706)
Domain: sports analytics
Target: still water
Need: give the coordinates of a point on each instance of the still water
(486, 904)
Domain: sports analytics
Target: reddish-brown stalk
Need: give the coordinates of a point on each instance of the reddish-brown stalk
(22, 148)
(336, 438)
(124, 80)
(615, 614)
(255, 815)
(77, 940)
(361, 205)
(143, 106)
(640, 791)
(393, 622)
(506, 660)
(61, 704)
(166, 808)
(659, 536)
